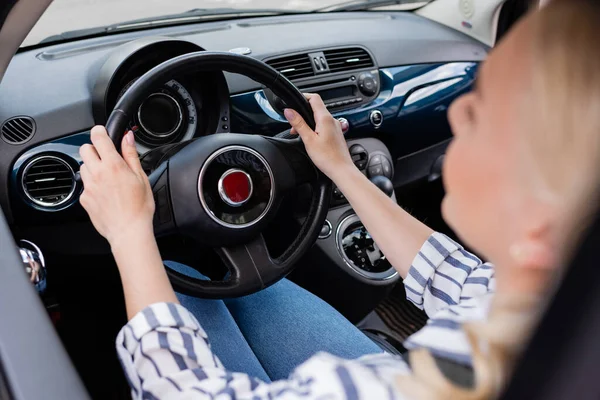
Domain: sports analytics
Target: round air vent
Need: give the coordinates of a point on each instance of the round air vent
(17, 130)
(48, 181)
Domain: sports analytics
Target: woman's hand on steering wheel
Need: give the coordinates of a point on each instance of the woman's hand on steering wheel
(117, 195)
(325, 145)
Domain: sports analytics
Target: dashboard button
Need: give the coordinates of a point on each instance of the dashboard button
(325, 230)
(375, 160)
(344, 124)
(376, 118)
(367, 84)
(387, 167)
(377, 170)
(359, 155)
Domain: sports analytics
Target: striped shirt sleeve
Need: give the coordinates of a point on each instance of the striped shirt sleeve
(166, 355)
(452, 286)
(443, 274)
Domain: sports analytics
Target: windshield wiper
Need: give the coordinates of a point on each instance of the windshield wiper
(362, 5)
(190, 16)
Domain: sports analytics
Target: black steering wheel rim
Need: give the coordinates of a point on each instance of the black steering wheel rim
(251, 267)
(262, 73)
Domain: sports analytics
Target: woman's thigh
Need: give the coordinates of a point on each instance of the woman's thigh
(285, 325)
(226, 340)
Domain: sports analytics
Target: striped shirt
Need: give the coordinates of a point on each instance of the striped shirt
(166, 354)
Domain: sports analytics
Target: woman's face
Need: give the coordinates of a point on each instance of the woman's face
(481, 175)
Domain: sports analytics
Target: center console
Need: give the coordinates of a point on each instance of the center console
(344, 239)
(354, 275)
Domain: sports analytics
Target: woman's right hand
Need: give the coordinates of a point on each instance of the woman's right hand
(325, 145)
(117, 195)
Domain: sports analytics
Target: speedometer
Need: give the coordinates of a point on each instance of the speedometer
(168, 115)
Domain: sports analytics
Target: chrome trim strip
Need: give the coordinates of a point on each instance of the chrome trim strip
(43, 204)
(203, 171)
(374, 276)
(172, 131)
(224, 195)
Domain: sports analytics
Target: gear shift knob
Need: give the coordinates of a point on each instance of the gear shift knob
(383, 183)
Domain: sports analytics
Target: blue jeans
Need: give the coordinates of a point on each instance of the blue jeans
(269, 333)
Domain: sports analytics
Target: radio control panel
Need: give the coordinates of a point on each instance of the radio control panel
(339, 91)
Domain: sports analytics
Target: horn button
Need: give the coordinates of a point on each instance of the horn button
(236, 187)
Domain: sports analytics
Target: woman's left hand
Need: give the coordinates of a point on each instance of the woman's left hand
(117, 195)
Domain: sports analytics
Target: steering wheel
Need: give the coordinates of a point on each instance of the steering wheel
(224, 189)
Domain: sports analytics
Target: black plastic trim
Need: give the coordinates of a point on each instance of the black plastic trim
(420, 165)
(33, 358)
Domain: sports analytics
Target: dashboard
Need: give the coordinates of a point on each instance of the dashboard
(391, 75)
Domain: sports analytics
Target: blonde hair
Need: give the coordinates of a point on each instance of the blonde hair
(563, 145)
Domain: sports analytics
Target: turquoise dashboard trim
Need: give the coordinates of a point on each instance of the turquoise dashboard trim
(407, 94)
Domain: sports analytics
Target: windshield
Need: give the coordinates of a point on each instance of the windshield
(77, 15)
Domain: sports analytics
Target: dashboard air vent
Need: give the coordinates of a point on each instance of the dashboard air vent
(48, 181)
(293, 67)
(348, 59)
(17, 130)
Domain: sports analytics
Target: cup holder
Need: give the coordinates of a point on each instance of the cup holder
(360, 252)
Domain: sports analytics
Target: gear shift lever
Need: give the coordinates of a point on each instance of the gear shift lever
(383, 183)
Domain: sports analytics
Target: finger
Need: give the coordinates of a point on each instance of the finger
(317, 105)
(84, 172)
(103, 144)
(84, 200)
(293, 132)
(89, 156)
(298, 124)
(130, 154)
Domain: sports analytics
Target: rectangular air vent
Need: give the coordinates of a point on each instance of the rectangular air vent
(293, 67)
(348, 59)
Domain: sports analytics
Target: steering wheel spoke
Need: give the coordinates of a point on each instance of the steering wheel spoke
(164, 221)
(296, 156)
(250, 269)
(249, 262)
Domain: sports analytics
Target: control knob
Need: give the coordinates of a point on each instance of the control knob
(367, 84)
